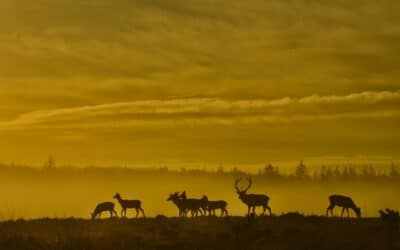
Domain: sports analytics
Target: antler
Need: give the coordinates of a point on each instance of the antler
(236, 184)
(250, 183)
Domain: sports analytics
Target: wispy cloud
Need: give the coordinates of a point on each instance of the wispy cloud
(200, 110)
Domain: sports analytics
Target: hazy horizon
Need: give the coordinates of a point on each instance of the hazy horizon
(68, 192)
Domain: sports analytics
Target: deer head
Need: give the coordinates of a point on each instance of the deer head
(173, 196)
(117, 196)
(242, 192)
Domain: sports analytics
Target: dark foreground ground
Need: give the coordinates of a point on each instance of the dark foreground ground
(285, 232)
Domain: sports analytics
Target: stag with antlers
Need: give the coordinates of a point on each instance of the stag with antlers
(252, 200)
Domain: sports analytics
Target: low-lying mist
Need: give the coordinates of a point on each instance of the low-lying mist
(68, 192)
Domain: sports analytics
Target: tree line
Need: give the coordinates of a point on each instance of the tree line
(268, 172)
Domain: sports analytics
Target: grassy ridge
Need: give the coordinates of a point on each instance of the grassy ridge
(284, 232)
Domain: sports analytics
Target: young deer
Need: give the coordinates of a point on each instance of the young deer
(252, 200)
(104, 207)
(345, 203)
(214, 205)
(125, 204)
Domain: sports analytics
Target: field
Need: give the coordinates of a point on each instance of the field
(291, 231)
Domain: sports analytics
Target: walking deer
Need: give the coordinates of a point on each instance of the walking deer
(214, 205)
(252, 200)
(345, 203)
(125, 204)
(104, 207)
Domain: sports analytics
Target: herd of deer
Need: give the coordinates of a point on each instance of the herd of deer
(203, 206)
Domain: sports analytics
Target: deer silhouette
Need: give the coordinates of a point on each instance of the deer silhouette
(195, 205)
(345, 203)
(179, 203)
(252, 200)
(104, 207)
(214, 205)
(184, 205)
(125, 204)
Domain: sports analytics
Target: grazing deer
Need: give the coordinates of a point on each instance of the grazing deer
(125, 204)
(345, 203)
(214, 205)
(104, 207)
(252, 200)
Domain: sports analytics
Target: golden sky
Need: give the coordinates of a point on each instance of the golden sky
(207, 81)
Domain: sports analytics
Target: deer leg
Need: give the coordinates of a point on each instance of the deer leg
(248, 210)
(269, 209)
(141, 209)
(343, 211)
(224, 212)
(348, 214)
(254, 210)
(330, 209)
(264, 208)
